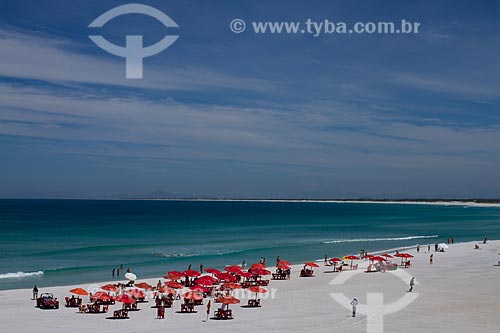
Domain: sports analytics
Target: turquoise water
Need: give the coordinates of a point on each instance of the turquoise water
(58, 242)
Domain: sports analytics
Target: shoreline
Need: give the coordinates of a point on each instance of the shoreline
(41, 272)
(495, 203)
(390, 250)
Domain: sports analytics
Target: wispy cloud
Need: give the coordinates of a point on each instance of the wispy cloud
(55, 59)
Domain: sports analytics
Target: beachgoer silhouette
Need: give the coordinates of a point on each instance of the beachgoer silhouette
(35, 292)
(354, 304)
(412, 284)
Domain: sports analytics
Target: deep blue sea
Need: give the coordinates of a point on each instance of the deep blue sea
(59, 242)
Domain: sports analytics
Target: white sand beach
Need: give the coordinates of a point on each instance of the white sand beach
(458, 292)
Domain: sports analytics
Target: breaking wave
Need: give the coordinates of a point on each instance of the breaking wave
(355, 240)
(19, 275)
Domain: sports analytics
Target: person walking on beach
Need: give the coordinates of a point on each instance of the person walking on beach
(354, 304)
(118, 272)
(428, 248)
(113, 272)
(189, 267)
(277, 260)
(431, 258)
(412, 284)
(35, 292)
(485, 239)
(243, 264)
(201, 268)
(418, 248)
(326, 259)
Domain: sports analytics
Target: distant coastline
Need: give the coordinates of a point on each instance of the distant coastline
(441, 202)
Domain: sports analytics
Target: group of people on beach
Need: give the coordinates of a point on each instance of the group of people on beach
(118, 270)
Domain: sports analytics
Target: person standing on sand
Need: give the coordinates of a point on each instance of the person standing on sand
(201, 268)
(418, 248)
(431, 258)
(277, 260)
(412, 284)
(354, 304)
(326, 259)
(35, 292)
(428, 248)
(485, 239)
(113, 272)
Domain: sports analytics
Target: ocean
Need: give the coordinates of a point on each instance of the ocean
(63, 242)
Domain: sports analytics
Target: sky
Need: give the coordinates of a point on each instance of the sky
(246, 115)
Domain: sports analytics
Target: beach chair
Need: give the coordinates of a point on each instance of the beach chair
(67, 301)
(223, 314)
(254, 303)
(105, 308)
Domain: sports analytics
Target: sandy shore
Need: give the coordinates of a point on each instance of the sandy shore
(459, 292)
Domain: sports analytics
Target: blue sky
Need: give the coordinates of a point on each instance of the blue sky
(244, 115)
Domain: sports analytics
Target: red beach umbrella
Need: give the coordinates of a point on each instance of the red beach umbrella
(226, 277)
(102, 296)
(260, 271)
(199, 289)
(377, 258)
(283, 267)
(136, 293)
(245, 274)
(258, 265)
(212, 270)
(336, 259)
(125, 299)
(228, 300)
(174, 275)
(386, 255)
(173, 284)
(284, 262)
(351, 258)
(110, 287)
(232, 285)
(191, 273)
(233, 269)
(311, 264)
(167, 290)
(206, 281)
(79, 291)
(257, 289)
(193, 295)
(144, 285)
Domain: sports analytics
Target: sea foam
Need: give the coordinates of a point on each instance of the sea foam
(19, 275)
(355, 240)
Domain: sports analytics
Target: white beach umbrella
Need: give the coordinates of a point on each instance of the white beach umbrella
(442, 246)
(131, 276)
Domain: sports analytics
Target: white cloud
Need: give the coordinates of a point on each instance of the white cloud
(52, 59)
